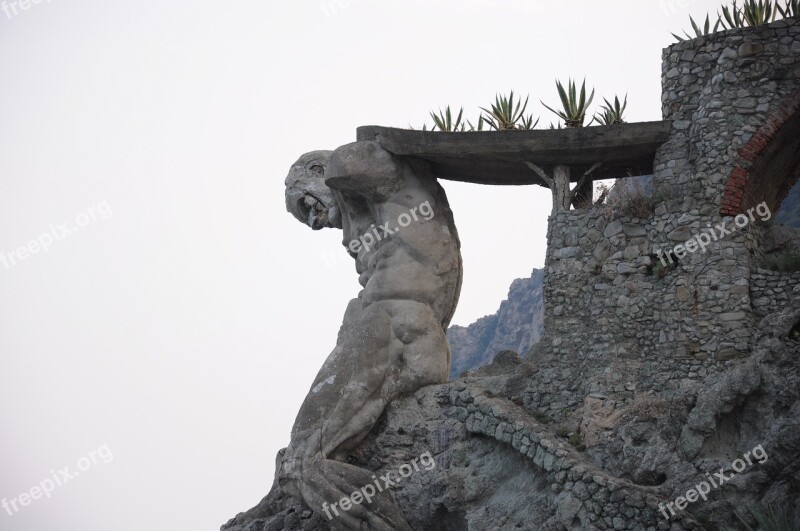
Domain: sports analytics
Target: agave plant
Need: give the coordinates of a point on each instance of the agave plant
(612, 114)
(527, 123)
(769, 519)
(752, 13)
(759, 13)
(480, 124)
(504, 115)
(444, 121)
(574, 112)
(792, 9)
(701, 31)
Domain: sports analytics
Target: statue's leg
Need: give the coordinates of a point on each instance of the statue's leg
(348, 394)
(390, 348)
(346, 399)
(398, 347)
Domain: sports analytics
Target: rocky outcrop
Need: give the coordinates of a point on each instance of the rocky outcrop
(502, 464)
(652, 378)
(517, 325)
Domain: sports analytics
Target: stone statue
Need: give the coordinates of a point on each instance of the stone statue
(399, 228)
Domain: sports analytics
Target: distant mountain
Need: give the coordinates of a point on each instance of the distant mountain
(789, 213)
(518, 324)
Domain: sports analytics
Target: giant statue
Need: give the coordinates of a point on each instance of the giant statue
(398, 227)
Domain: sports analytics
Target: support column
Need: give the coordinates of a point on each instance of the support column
(560, 188)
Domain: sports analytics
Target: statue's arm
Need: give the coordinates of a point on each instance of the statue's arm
(364, 169)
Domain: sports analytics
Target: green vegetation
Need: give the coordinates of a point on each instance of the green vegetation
(612, 114)
(700, 31)
(660, 270)
(786, 261)
(507, 113)
(791, 9)
(527, 123)
(504, 115)
(751, 13)
(628, 198)
(577, 441)
(771, 519)
(574, 107)
(444, 120)
(481, 121)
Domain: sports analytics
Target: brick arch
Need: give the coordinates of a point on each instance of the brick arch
(769, 164)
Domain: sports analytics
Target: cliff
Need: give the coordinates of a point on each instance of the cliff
(517, 325)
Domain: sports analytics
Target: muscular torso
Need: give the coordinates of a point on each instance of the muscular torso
(419, 262)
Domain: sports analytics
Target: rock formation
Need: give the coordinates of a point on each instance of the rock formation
(664, 365)
(517, 325)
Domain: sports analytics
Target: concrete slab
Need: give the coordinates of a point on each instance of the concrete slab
(498, 157)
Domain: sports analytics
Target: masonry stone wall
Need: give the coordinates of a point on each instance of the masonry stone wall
(773, 291)
(615, 317)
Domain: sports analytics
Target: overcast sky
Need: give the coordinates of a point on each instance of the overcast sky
(163, 343)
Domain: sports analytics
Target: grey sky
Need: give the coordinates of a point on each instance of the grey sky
(183, 329)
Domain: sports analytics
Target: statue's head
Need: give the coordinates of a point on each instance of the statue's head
(307, 197)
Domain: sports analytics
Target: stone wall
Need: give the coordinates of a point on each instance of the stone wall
(616, 320)
(772, 291)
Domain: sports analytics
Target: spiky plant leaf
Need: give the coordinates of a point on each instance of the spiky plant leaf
(504, 115)
(480, 124)
(612, 114)
(733, 16)
(700, 31)
(444, 120)
(752, 13)
(771, 519)
(792, 9)
(528, 123)
(574, 107)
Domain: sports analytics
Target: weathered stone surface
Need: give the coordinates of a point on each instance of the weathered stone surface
(613, 228)
(516, 326)
(681, 234)
(663, 371)
(488, 158)
(750, 48)
(567, 507)
(407, 300)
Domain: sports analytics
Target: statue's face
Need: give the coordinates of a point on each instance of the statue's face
(307, 197)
